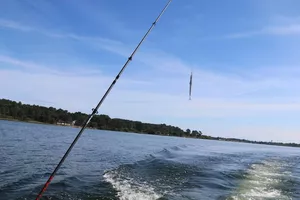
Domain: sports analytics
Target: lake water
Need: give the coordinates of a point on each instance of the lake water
(128, 166)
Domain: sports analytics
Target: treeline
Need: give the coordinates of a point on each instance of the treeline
(50, 115)
(35, 113)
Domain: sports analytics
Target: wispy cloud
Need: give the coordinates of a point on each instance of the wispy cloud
(50, 33)
(166, 67)
(287, 30)
(29, 66)
(211, 91)
(14, 25)
(151, 57)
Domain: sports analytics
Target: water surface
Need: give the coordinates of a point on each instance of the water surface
(128, 166)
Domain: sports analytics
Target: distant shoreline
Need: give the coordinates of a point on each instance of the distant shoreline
(19, 112)
(37, 122)
(43, 123)
(17, 120)
(224, 140)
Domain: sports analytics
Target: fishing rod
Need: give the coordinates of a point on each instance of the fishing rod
(95, 110)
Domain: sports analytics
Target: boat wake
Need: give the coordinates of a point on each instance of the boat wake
(162, 176)
(130, 189)
(149, 179)
(265, 180)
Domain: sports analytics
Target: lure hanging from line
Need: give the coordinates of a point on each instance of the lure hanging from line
(191, 82)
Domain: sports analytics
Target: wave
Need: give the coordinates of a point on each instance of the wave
(149, 179)
(129, 189)
(174, 173)
(163, 175)
(264, 180)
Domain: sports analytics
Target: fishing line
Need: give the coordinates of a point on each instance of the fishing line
(95, 110)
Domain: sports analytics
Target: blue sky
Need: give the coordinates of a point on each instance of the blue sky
(244, 56)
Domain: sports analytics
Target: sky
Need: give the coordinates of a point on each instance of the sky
(244, 56)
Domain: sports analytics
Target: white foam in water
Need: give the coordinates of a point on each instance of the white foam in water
(128, 189)
(261, 182)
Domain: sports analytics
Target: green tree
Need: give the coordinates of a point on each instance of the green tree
(188, 131)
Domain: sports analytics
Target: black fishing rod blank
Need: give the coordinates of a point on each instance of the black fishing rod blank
(95, 110)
